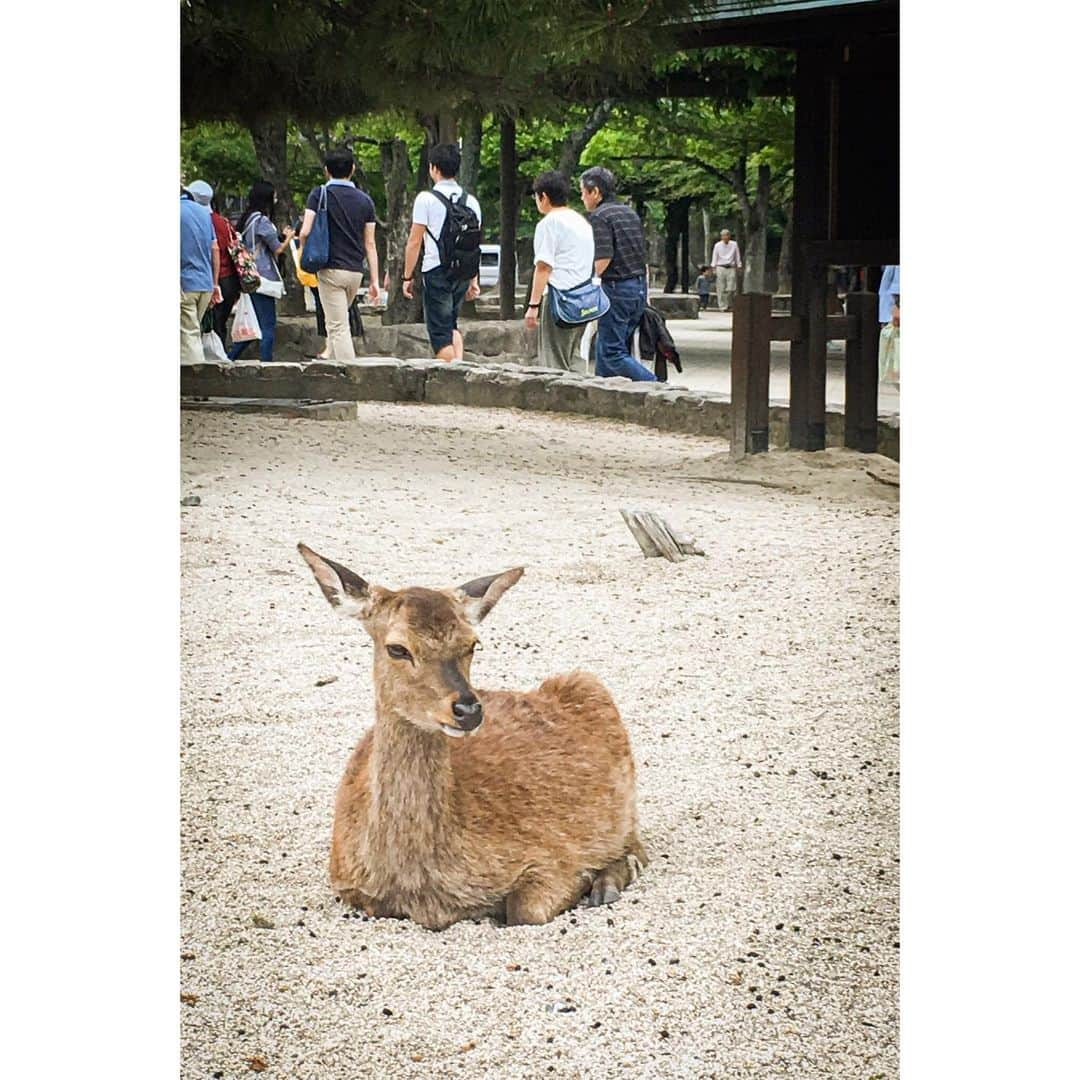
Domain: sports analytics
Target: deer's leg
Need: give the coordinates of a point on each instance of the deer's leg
(610, 882)
(369, 905)
(535, 900)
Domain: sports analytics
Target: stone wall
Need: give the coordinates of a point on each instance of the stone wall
(295, 339)
(501, 385)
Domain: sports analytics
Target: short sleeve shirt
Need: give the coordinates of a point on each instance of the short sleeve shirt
(620, 237)
(349, 210)
(430, 212)
(564, 240)
(196, 240)
(223, 233)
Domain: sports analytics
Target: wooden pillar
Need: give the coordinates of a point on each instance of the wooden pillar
(816, 346)
(810, 223)
(861, 374)
(750, 341)
(508, 207)
(685, 252)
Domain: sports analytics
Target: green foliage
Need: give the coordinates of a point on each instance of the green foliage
(675, 148)
(219, 153)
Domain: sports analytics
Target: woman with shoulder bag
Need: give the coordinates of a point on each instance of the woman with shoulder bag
(564, 250)
(260, 235)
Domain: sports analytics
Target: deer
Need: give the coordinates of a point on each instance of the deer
(464, 803)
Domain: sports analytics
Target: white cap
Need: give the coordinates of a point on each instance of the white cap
(202, 191)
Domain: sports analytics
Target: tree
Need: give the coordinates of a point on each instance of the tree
(691, 149)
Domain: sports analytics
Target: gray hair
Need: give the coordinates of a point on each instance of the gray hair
(599, 179)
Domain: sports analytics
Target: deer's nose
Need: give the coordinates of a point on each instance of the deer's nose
(468, 712)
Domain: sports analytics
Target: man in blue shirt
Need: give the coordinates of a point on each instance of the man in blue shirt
(199, 264)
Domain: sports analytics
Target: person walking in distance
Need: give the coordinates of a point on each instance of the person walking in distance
(703, 285)
(350, 215)
(726, 261)
(563, 248)
(198, 274)
(620, 262)
(260, 237)
(446, 221)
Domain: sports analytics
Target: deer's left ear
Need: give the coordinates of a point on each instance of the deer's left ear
(482, 594)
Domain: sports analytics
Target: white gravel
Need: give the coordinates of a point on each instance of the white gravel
(759, 686)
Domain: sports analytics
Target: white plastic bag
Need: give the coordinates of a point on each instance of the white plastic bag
(245, 325)
(309, 301)
(889, 354)
(213, 350)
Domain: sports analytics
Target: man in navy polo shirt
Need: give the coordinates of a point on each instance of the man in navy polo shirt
(620, 262)
(351, 216)
(199, 264)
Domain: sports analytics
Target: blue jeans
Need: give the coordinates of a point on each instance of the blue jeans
(442, 302)
(266, 313)
(615, 330)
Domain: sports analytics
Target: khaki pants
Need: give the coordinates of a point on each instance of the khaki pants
(558, 346)
(337, 291)
(193, 307)
(727, 284)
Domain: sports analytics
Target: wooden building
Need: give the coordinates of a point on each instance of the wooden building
(846, 197)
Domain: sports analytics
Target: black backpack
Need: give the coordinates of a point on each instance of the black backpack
(459, 241)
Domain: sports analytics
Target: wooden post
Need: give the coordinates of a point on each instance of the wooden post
(508, 206)
(751, 335)
(816, 348)
(861, 375)
(809, 223)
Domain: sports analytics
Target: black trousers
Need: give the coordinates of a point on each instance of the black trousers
(219, 313)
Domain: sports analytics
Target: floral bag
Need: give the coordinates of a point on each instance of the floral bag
(244, 262)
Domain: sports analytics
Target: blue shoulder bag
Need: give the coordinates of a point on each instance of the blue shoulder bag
(316, 252)
(577, 306)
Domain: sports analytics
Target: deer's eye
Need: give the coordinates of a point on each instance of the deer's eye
(399, 652)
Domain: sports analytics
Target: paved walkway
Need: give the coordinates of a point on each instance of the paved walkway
(704, 345)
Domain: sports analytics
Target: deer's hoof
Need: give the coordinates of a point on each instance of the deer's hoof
(603, 892)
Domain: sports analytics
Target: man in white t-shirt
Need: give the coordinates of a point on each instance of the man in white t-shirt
(726, 261)
(564, 250)
(442, 295)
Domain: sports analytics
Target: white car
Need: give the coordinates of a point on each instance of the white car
(489, 265)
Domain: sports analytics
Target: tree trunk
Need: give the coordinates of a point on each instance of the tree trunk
(685, 253)
(574, 144)
(470, 153)
(671, 246)
(446, 127)
(268, 138)
(676, 229)
(783, 284)
(396, 176)
(508, 205)
(754, 216)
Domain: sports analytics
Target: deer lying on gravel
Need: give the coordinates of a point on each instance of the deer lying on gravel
(463, 803)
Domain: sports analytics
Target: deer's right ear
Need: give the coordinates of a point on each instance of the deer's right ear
(347, 592)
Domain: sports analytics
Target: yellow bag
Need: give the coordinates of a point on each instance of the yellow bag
(302, 276)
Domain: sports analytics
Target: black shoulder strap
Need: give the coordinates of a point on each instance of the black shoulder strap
(446, 220)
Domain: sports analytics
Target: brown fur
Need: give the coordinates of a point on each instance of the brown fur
(519, 818)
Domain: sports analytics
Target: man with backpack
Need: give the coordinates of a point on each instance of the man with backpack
(350, 215)
(446, 220)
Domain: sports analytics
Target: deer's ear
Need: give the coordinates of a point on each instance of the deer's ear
(347, 592)
(482, 594)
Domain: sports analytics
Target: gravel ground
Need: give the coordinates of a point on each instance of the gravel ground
(759, 685)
